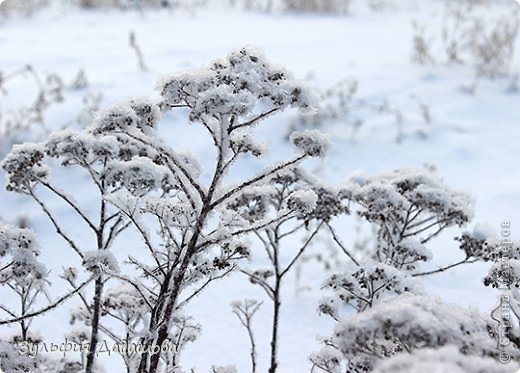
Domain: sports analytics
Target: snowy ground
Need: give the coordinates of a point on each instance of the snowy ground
(473, 140)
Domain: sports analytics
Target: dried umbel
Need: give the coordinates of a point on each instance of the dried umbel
(190, 226)
(406, 324)
(410, 207)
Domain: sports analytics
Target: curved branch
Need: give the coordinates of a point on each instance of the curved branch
(256, 179)
(56, 226)
(442, 269)
(71, 204)
(302, 249)
(49, 307)
(340, 244)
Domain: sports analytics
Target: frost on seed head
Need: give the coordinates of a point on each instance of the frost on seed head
(313, 143)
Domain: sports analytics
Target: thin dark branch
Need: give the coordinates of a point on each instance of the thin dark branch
(302, 249)
(254, 120)
(340, 244)
(203, 286)
(49, 307)
(56, 226)
(442, 269)
(71, 204)
(256, 179)
(260, 281)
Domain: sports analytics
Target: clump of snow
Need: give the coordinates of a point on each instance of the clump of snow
(484, 231)
(303, 201)
(118, 117)
(444, 359)
(19, 244)
(351, 285)
(313, 143)
(416, 321)
(137, 175)
(148, 113)
(244, 143)
(100, 261)
(328, 359)
(124, 298)
(412, 248)
(24, 168)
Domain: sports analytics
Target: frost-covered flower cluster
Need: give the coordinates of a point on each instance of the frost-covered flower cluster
(410, 207)
(234, 87)
(393, 316)
(24, 167)
(19, 258)
(303, 200)
(367, 285)
(100, 261)
(313, 143)
(405, 324)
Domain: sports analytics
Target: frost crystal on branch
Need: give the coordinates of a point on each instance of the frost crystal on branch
(303, 200)
(313, 143)
(24, 167)
(100, 261)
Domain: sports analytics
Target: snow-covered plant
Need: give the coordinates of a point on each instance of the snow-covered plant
(138, 51)
(141, 4)
(409, 208)
(200, 224)
(82, 154)
(401, 325)
(305, 206)
(143, 182)
(245, 311)
(364, 286)
(22, 276)
(421, 49)
(28, 120)
(265, 6)
(23, 286)
(23, 7)
(472, 32)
